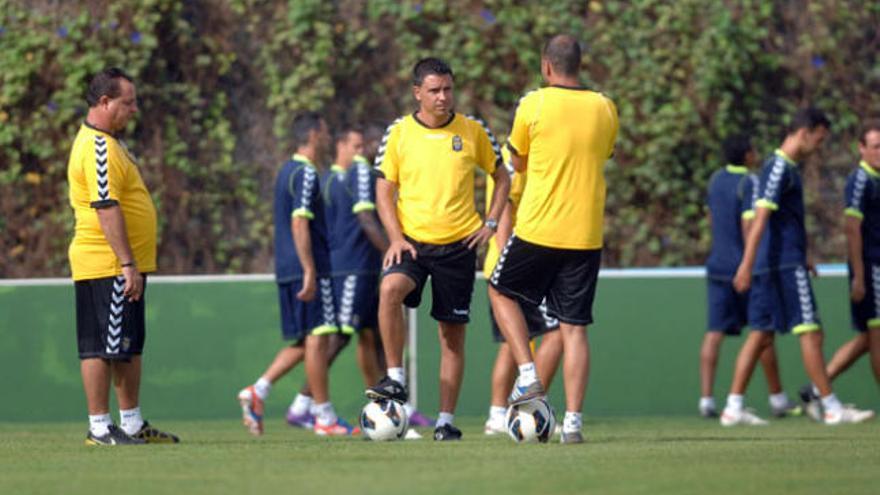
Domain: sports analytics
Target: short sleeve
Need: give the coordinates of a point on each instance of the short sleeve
(363, 188)
(854, 194)
(749, 196)
(520, 134)
(488, 153)
(774, 179)
(387, 159)
(304, 190)
(104, 170)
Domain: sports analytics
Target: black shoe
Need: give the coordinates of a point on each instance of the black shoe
(447, 432)
(114, 436)
(151, 435)
(387, 389)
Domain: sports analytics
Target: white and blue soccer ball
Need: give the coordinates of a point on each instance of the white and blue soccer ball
(383, 420)
(532, 421)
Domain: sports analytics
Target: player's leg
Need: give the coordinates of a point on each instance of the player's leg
(874, 350)
(780, 404)
(800, 306)
(503, 374)
(548, 356)
(524, 272)
(575, 371)
(300, 413)
(570, 300)
(105, 332)
(452, 338)
(452, 285)
(709, 351)
(394, 289)
(734, 411)
(366, 356)
(846, 355)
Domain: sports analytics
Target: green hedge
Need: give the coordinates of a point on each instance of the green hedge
(219, 82)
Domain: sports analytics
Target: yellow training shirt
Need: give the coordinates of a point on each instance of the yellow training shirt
(433, 169)
(101, 173)
(517, 184)
(568, 134)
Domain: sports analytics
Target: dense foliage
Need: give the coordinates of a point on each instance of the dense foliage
(219, 81)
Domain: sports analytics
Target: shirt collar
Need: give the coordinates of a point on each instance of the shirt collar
(737, 169)
(337, 168)
(867, 168)
(302, 158)
(785, 157)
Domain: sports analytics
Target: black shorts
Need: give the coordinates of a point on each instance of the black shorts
(566, 277)
(451, 267)
(108, 325)
(537, 321)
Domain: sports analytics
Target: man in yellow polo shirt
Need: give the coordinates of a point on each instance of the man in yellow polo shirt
(561, 137)
(428, 160)
(114, 245)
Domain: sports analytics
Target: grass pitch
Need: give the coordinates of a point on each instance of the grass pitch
(629, 455)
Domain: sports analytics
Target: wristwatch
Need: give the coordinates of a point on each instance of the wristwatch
(492, 224)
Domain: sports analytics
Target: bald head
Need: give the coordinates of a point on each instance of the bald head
(563, 53)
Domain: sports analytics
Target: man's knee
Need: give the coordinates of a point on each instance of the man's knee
(394, 288)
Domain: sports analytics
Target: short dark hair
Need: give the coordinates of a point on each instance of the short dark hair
(564, 54)
(868, 126)
(427, 66)
(736, 147)
(303, 124)
(809, 118)
(105, 83)
(344, 131)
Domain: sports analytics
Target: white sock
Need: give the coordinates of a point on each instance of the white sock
(398, 375)
(497, 412)
(735, 402)
(527, 375)
(98, 424)
(130, 420)
(444, 418)
(262, 388)
(300, 405)
(409, 409)
(831, 403)
(707, 403)
(325, 415)
(816, 391)
(573, 422)
(779, 401)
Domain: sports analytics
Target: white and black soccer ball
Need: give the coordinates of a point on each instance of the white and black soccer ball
(384, 419)
(532, 421)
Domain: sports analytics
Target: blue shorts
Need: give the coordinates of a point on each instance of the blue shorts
(866, 314)
(783, 301)
(357, 299)
(300, 319)
(728, 309)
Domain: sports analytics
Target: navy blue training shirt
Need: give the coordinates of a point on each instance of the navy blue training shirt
(347, 193)
(862, 196)
(731, 197)
(784, 244)
(298, 194)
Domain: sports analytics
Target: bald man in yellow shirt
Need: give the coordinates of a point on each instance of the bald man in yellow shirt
(561, 137)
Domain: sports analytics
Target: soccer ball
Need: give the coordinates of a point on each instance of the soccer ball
(532, 421)
(384, 419)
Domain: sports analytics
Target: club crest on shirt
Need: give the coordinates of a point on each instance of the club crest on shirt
(456, 143)
(126, 344)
